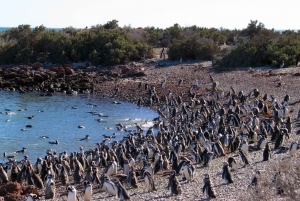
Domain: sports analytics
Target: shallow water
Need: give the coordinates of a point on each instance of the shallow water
(58, 117)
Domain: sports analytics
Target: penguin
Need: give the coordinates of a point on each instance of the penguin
(166, 163)
(122, 192)
(226, 175)
(261, 143)
(38, 166)
(293, 148)
(207, 157)
(187, 170)
(245, 147)
(174, 184)
(232, 163)
(149, 181)
(132, 180)
(208, 189)
(159, 165)
(243, 158)
(32, 197)
(14, 171)
(267, 153)
(3, 175)
(64, 178)
(255, 179)
(36, 180)
(50, 188)
(72, 193)
(77, 174)
(111, 168)
(110, 186)
(88, 192)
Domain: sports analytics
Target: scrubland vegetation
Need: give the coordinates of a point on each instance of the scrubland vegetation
(110, 44)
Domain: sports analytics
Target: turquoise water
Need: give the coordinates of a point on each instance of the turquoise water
(58, 117)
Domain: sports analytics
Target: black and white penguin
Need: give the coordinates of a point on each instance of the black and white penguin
(174, 184)
(208, 189)
(72, 193)
(232, 163)
(267, 153)
(243, 158)
(3, 175)
(207, 157)
(132, 180)
(50, 188)
(159, 165)
(226, 175)
(122, 192)
(256, 178)
(187, 170)
(293, 148)
(88, 192)
(245, 147)
(77, 174)
(261, 144)
(110, 186)
(32, 197)
(149, 181)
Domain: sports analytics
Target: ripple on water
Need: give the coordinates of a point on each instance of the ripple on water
(60, 122)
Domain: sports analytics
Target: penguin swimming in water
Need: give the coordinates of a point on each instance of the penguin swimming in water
(122, 192)
(149, 181)
(88, 192)
(174, 184)
(232, 163)
(267, 153)
(226, 175)
(208, 189)
(243, 158)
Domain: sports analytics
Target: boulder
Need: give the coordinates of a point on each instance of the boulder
(69, 71)
(38, 77)
(54, 68)
(14, 197)
(30, 189)
(11, 187)
(36, 65)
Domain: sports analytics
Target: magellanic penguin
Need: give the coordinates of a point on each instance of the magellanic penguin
(226, 175)
(232, 163)
(132, 180)
(122, 192)
(72, 193)
(293, 148)
(187, 170)
(267, 153)
(149, 181)
(3, 175)
(261, 142)
(208, 189)
(32, 197)
(256, 178)
(36, 180)
(110, 186)
(64, 178)
(50, 188)
(243, 158)
(174, 184)
(88, 192)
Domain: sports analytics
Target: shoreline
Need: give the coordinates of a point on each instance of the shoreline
(266, 81)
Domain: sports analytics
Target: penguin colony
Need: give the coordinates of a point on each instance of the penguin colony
(192, 131)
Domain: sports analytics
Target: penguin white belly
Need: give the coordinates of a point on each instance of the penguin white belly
(88, 193)
(111, 188)
(9, 174)
(147, 183)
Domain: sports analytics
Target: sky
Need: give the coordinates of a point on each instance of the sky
(230, 14)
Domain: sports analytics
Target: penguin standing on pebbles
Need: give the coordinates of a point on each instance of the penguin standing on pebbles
(122, 193)
(88, 192)
(71, 193)
(132, 180)
(226, 175)
(50, 188)
(208, 189)
(149, 181)
(243, 158)
(232, 163)
(267, 153)
(174, 184)
(293, 148)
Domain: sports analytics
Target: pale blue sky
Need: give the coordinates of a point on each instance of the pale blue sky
(158, 13)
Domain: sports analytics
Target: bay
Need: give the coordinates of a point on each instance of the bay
(59, 117)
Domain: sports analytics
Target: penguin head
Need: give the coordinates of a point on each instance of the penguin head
(70, 188)
(86, 182)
